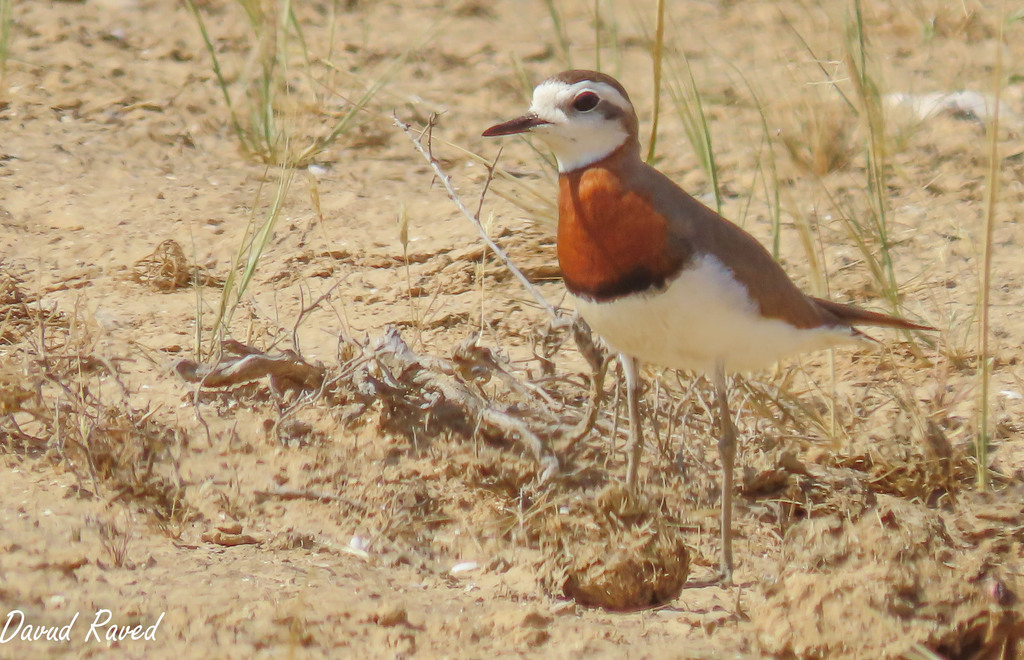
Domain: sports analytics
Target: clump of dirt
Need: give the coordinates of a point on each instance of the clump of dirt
(618, 551)
(900, 577)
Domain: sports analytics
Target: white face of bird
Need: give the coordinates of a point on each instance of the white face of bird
(582, 122)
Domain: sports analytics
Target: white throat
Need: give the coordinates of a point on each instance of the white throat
(577, 139)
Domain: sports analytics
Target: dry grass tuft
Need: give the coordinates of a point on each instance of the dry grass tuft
(69, 405)
(116, 541)
(818, 132)
(20, 312)
(167, 269)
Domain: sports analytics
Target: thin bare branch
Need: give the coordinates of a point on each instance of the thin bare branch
(446, 181)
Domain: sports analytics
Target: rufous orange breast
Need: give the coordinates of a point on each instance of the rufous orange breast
(611, 240)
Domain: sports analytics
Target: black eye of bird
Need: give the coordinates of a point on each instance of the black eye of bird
(586, 102)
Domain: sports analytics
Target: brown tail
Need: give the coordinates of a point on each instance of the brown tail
(850, 315)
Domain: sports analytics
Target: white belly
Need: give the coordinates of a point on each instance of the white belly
(704, 317)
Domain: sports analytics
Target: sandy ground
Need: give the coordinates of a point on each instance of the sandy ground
(388, 507)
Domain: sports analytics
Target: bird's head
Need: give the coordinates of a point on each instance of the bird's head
(583, 116)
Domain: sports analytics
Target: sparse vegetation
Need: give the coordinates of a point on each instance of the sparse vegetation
(258, 234)
(291, 409)
(116, 541)
(985, 287)
(6, 16)
(284, 91)
(690, 109)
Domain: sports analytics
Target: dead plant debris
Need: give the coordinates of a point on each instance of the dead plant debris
(167, 269)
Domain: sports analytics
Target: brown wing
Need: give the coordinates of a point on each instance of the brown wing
(702, 230)
(696, 229)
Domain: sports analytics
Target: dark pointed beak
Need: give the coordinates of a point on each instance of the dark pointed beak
(517, 125)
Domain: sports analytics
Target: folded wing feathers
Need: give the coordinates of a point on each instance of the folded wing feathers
(850, 315)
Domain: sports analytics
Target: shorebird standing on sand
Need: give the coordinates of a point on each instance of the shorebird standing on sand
(660, 276)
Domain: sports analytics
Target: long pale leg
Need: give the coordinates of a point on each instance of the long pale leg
(727, 450)
(636, 438)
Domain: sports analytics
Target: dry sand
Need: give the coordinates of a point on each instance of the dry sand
(261, 519)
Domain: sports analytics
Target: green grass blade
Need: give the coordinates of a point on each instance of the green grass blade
(657, 55)
(690, 108)
(221, 82)
(561, 35)
(6, 10)
(991, 196)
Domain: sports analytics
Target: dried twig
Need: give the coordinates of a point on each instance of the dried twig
(313, 495)
(475, 219)
(399, 368)
(478, 363)
(247, 364)
(598, 362)
(307, 309)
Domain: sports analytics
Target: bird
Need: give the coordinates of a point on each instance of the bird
(661, 277)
